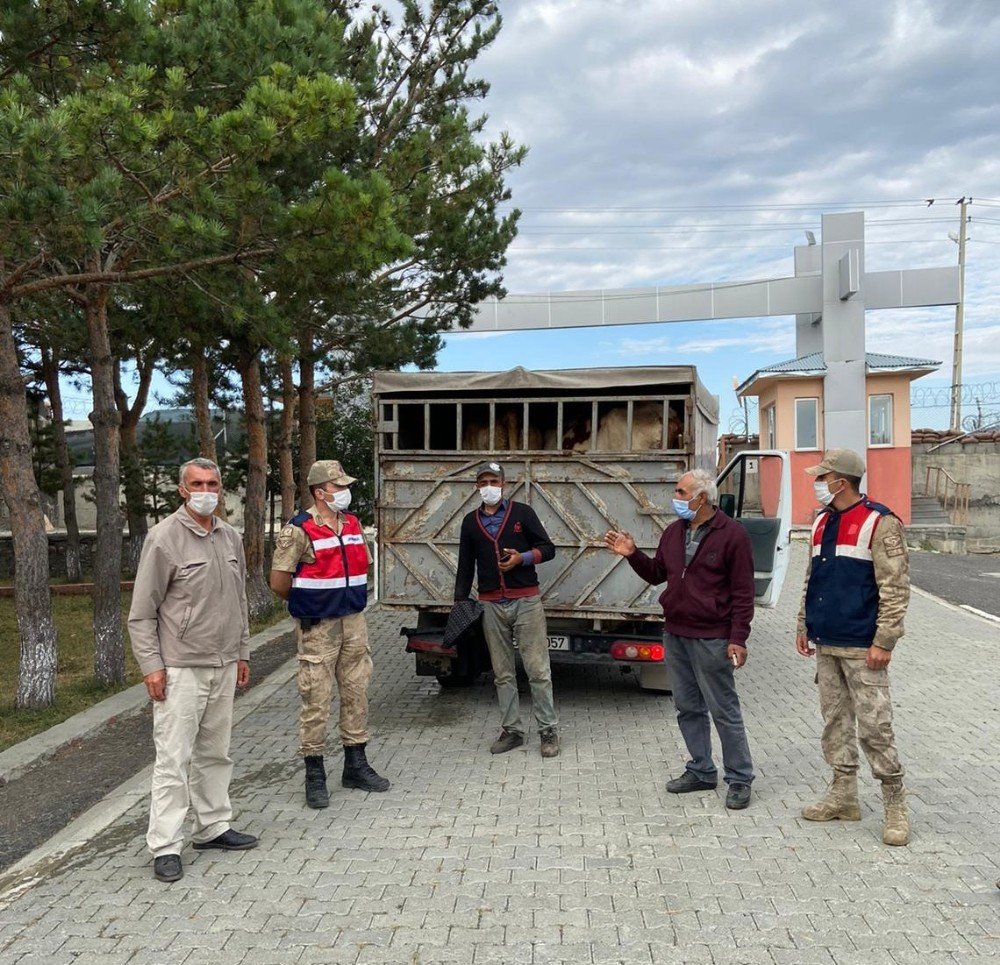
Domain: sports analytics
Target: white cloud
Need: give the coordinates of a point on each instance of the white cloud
(682, 134)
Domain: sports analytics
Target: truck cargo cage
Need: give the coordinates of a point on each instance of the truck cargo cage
(587, 449)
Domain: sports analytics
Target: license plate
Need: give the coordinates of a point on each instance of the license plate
(555, 643)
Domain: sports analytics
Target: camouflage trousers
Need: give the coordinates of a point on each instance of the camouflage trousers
(856, 706)
(333, 650)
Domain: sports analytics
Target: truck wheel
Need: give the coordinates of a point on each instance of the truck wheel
(454, 681)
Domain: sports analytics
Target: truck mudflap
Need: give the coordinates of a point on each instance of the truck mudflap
(454, 666)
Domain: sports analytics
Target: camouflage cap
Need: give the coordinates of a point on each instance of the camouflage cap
(328, 470)
(845, 461)
(493, 467)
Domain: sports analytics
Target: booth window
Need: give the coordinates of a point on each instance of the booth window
(880, 420)
(770, 431)
(807, 423)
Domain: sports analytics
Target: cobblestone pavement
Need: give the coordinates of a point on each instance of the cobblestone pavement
(584, 858)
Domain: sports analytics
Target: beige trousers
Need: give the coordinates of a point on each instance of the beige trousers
(856, 707)
(191, 731)
(334, 650)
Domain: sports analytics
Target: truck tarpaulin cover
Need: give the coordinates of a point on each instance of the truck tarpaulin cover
(524, 381)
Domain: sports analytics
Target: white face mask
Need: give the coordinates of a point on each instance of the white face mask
(822, 490)
(203, 503)
(491, 494)
(338, 502)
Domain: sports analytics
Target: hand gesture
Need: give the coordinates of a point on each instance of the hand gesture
(620, 543)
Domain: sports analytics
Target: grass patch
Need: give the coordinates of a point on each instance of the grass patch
(76, 689)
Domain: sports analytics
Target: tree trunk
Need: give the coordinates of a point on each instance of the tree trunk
(259, 598)
(286, 468)
(32, 603)
(135, 497)
(202, 405)
(307, 415)
(50, 372)
(203, 415)
(109, 651)
(131, 462)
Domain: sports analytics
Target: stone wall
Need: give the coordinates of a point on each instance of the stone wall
(974, 460)
(57, 556)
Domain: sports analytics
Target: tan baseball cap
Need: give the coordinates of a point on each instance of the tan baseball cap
(845, 461)
(328, 470)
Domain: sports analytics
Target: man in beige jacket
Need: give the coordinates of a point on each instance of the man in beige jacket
(191, 639)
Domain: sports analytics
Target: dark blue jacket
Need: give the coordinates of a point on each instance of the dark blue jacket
(842, 597)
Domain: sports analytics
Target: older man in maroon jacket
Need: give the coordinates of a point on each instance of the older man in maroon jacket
(707, 561)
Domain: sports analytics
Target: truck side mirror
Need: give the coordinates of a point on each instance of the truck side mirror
(727, 503)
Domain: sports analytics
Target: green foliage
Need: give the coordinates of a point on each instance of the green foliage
(158, 458)
(345, 430)
(43, 457)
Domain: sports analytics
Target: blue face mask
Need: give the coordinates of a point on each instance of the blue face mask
(683, 509)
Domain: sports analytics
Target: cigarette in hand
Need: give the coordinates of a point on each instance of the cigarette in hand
(734, 659)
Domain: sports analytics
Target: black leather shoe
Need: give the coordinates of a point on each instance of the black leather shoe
(738, 796)
(688, 782)
(168, 867)
(228, 841)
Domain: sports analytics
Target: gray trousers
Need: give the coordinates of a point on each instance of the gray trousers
(524, 619)
(703, 685)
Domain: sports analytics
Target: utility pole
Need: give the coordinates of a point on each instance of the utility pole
(956, 355)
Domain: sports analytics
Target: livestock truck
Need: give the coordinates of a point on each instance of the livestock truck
(589, 450)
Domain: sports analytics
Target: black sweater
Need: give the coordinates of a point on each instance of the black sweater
(521, 530)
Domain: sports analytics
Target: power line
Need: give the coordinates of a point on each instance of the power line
(612, 229)
(775, 206)
(515, 248)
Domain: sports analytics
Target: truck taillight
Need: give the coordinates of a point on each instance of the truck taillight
(633, 650)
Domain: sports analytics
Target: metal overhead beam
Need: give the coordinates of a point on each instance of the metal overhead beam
(913, 288)
(829, 296)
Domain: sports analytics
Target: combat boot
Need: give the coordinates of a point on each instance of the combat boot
(359, 773)
(316, 796)
(897, 821)
(840, 803)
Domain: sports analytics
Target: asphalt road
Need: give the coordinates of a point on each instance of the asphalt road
(971, 581)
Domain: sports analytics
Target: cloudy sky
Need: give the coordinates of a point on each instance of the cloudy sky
(678, 141)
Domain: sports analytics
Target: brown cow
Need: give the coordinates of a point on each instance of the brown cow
(612, 430)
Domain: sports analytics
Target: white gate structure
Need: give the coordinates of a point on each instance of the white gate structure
(828, 295)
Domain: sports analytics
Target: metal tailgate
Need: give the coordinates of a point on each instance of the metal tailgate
(423, 499)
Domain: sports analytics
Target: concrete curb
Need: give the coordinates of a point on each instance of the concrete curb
(957, 607)
(36, 865)
(20, 758)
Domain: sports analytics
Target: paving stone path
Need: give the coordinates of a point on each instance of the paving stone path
(584, 858)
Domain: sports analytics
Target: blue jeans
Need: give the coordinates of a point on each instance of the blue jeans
(525, 619)
(703, 684)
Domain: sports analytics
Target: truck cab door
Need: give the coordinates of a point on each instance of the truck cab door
(755, 489)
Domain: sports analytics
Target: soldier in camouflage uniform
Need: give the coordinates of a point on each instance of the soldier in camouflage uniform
(320, 566)
(856, 592)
